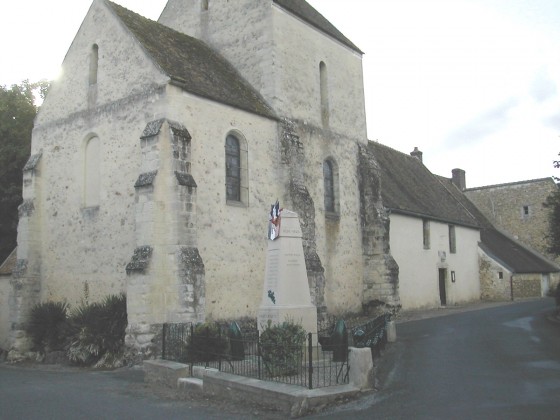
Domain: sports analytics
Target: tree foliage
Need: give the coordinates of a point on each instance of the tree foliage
(553, 204)
(17, 112)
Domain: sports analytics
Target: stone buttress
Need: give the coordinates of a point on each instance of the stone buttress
(166, 273)
(26, 277)
(381, 271)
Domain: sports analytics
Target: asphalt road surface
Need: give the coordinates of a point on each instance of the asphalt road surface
(497, 363)
(43, 393)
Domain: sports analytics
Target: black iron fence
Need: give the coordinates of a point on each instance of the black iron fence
(298, 361)
(312, 360)
(372, 334)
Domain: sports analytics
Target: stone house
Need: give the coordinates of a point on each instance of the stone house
(517, 208)
(156, 156)
(509, 269)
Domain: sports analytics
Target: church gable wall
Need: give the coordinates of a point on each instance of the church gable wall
(85, 246)
(122, 69)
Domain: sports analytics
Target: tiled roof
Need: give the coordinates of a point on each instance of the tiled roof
(9, 264)
(408, 187)
(192, 65)
(305, 11)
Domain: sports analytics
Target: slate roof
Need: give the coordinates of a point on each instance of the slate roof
(513, 255)
(408, 187)
(7, 267)
(191, 64)
(306, 12)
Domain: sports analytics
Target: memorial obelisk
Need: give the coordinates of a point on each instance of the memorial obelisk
(286, 289)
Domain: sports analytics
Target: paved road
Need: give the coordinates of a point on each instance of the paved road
(31, 393)
(497, 363)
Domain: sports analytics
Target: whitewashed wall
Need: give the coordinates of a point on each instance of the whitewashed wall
(418, 267)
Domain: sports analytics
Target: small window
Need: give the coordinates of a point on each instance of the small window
(233, 169)
(501, 275)
(452, 240)
(237, 174)
(426, 233)
(204, 5)
(330, 182)
(93, 64)
(525, 211)
(324, 91)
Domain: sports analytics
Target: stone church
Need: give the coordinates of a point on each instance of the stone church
(157, 154)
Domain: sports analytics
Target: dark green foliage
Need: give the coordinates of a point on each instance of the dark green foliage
(17, 113)
(282, 348)
(97, 331)
(207, 343)
(553, 204)
(47, 326)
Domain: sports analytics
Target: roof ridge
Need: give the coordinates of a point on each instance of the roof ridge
(528, 181)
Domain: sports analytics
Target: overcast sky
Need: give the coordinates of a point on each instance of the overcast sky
(474, 84)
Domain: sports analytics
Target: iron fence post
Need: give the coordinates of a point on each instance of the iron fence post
(163, 341)
(258, 354)
(310, 352)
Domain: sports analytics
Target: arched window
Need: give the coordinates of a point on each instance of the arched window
(328, 178)
(324, 87)
(93, 64)
(91, 172)
(233, 169)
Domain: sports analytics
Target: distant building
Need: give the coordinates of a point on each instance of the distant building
(517, 208)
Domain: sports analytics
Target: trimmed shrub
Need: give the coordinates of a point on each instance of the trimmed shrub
(47, 326)
(282, 348)
(97, 332)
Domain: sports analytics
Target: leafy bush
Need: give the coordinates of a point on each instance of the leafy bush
(282, 348)
(47, 326)
(206, 343)
(97, 332)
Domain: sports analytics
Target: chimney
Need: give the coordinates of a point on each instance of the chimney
(459, 179)
(416, 153)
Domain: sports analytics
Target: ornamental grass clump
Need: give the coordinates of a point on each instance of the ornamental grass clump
(47, 326)
(282, 348)
(97, 333)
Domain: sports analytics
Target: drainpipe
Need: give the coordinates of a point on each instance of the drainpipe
(511, 286)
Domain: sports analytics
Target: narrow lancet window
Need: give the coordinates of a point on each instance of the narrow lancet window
(93, 64)
(324, 93)
(233, 169)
